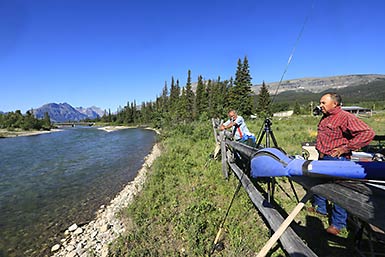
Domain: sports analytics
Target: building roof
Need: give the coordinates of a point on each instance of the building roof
(355, 108)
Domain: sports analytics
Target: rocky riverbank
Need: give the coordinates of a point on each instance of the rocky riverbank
(92, 239)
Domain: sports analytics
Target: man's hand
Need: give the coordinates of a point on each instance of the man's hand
(337, 152)
(223, 127)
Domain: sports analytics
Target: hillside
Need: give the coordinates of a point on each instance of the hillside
(318, 85)
(367, 87)
(371, 91)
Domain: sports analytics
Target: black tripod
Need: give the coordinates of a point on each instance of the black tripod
(269, 135)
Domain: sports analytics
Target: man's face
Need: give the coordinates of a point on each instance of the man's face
(327, 104)
(232, 116)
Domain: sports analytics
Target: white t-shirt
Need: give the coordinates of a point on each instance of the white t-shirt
(240, 128)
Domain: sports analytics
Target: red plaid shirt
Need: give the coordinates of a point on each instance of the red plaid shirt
(342, 129)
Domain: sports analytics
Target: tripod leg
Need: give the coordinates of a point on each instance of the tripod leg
(260, 139)
(273, 138)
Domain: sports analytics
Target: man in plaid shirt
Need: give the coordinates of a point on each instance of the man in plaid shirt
(339, 133)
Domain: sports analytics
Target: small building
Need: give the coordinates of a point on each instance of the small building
(358, 110)
(283, 114)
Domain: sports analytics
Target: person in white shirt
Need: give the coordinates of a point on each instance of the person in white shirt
(239, 128)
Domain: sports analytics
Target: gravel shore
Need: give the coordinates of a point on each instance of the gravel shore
(92, 239)
(5, 133)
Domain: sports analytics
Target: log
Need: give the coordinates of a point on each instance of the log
(246, 151)
(361, 199)
(215, 131)
(225, 168)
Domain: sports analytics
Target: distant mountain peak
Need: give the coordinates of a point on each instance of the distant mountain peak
(92, 112)
(64, 112)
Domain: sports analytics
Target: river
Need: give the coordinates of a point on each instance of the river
(50, 181)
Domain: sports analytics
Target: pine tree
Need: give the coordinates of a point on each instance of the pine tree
(174, 97)
(127, 114)
(297, 108)
(164, 98)
(46, 123)
(240, 96)
(183, 107)
(189, 98)
(134, 112)
(201, 98)
(222, 92)
(109, 119)
(174, 100)
(217, 97)
(210, 98)
(263, 106)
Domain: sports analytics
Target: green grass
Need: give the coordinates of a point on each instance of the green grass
(179, 211)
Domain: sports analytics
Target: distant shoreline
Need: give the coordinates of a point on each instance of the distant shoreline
(114, 128)
(23, 133)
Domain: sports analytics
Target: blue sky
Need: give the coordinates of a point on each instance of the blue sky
(106, 53)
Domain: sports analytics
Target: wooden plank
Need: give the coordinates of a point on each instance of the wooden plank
(215, 130)
(278, 233)
(246, 151)
(290, 241)
(225, 167)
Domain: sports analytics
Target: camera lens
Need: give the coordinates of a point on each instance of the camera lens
(317, 111)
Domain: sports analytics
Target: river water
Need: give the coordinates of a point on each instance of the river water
(50, 181)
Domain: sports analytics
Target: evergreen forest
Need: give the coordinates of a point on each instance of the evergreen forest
(17, 121)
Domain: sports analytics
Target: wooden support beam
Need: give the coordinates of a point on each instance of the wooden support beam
(225, 167)
(245, 150)
(215, 130)
(278, 233)
(290, 241)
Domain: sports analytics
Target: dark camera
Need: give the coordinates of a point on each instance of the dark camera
(317, 111)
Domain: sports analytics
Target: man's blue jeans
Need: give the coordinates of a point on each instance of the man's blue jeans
(339, 214)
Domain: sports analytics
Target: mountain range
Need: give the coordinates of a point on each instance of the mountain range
(352, 88)
(318, 85)
(355, 88)
(63, 112)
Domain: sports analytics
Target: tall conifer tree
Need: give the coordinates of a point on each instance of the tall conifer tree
(240, 96)
(164, 98)
(189, 98)
(182, 109)
(201, 97)
(263, 107)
